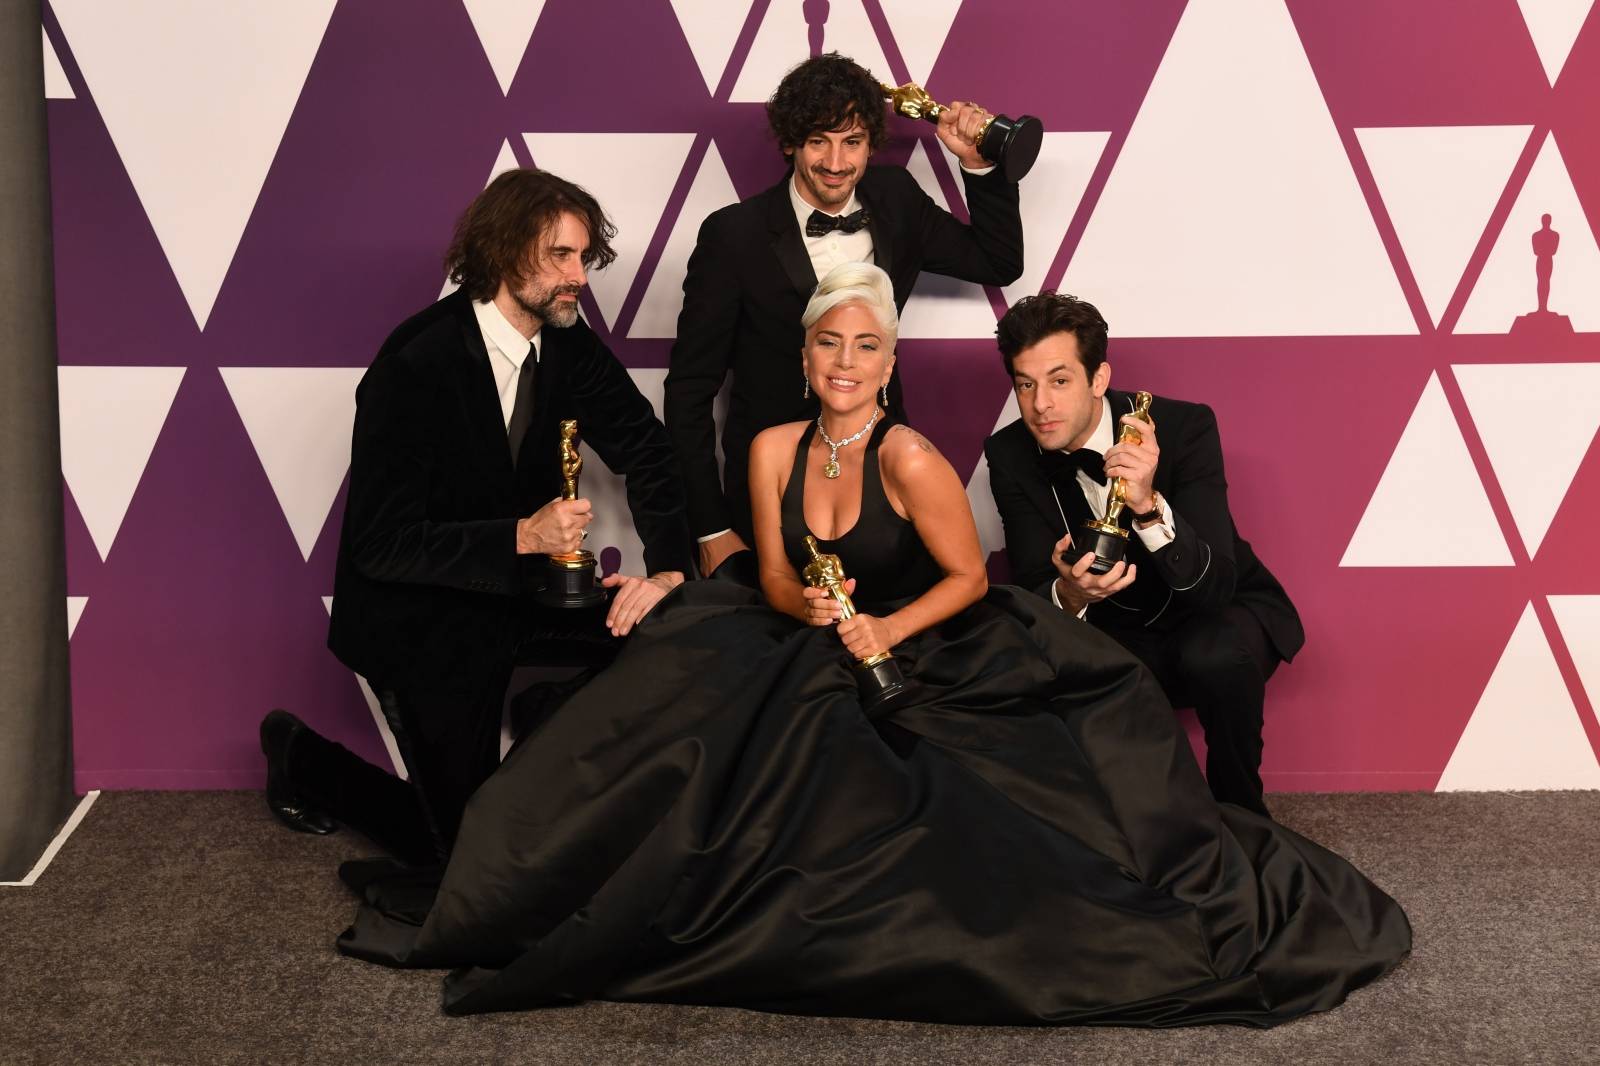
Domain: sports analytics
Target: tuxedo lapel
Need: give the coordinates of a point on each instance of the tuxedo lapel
(787, 244)
(1027, 466)
(878, 226)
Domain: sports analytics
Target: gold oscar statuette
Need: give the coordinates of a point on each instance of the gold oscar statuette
(879, 675)
(570, 578)
(1106, 537)
(1012, 144)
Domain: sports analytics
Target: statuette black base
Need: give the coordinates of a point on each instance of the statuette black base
(1012, 144)
(1108, 548)
(571, 587)
(881, 684)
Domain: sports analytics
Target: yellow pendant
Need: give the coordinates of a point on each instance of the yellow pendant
(831, 470)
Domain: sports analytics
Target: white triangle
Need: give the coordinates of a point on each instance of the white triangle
(920, 28)
(941, 306)
(75, 606)
(389, 743)
(1537, 421)
(504, 28)
(506, 160)
(1525, 732)
(1554, 26)
(56, 85)
(632, 175)
(299, 420)
(712, 189)
(1232, 210)
(712, 29)
(110, 419)
(1055, 188)
(613, 521)
(783, 41)
(1506, 288)
(196, 96)
(1430, 474)
(1579, 620)
(980, 496)
(1049, 201)
(1440, 184)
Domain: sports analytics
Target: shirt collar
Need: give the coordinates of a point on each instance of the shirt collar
(802, 210)
(1102, 438)
(501, 336)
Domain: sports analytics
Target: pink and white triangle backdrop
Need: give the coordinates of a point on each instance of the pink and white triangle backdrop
(1316, 218)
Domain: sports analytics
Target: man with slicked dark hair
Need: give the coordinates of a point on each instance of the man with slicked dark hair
(1190, 598)
(756, 263)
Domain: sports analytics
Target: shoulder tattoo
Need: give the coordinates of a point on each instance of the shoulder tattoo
(917, 439)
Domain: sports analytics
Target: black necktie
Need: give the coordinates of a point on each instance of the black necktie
(522, 409)
(820, 225)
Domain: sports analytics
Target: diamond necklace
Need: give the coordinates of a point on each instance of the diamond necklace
(831, 470)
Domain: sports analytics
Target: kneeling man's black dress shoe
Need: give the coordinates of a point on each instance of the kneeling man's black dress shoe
(278, 730)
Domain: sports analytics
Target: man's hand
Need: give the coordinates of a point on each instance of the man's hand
(1076, 588)
(637, 596)
(865, 635)
(1136, 465)
(717, 549)
(554, 529)
(821, 608)
(959, 126)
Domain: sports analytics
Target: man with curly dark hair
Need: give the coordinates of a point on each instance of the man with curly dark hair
(455, 485)
(756, 263)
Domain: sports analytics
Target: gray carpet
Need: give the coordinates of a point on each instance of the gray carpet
(189, 928)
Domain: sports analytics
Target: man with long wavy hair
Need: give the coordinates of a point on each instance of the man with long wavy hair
(455, 485)
(756, 263)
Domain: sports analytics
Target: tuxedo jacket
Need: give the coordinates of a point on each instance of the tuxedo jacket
(428, 589)
(748, 282)
(1205, 568)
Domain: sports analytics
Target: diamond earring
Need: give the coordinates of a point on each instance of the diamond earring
(807, 378)
(886, 396)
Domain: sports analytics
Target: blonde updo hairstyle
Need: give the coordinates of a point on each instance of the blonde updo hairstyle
(857, 283)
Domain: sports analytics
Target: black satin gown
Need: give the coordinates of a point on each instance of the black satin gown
(1027, 840)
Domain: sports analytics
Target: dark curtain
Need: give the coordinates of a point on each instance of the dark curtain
(35, 709)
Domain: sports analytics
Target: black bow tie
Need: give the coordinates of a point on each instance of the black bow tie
(1064, 466)
(820, 225)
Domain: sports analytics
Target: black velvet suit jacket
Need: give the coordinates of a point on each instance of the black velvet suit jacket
(747, 284)
(1204, 569)
(428, 588)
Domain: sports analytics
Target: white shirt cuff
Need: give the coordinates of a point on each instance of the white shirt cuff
(711, 536)
(1162, 533)
(980, 172)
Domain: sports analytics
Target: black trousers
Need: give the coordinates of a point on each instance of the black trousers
(1219, 665)
(448, 735)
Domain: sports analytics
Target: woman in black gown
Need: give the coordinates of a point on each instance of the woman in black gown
(1025, 840)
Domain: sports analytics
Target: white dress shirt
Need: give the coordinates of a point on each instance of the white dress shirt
(831, 249)
(507, 350)
(1096, 493)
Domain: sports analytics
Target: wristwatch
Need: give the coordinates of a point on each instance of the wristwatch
(1155, 514)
